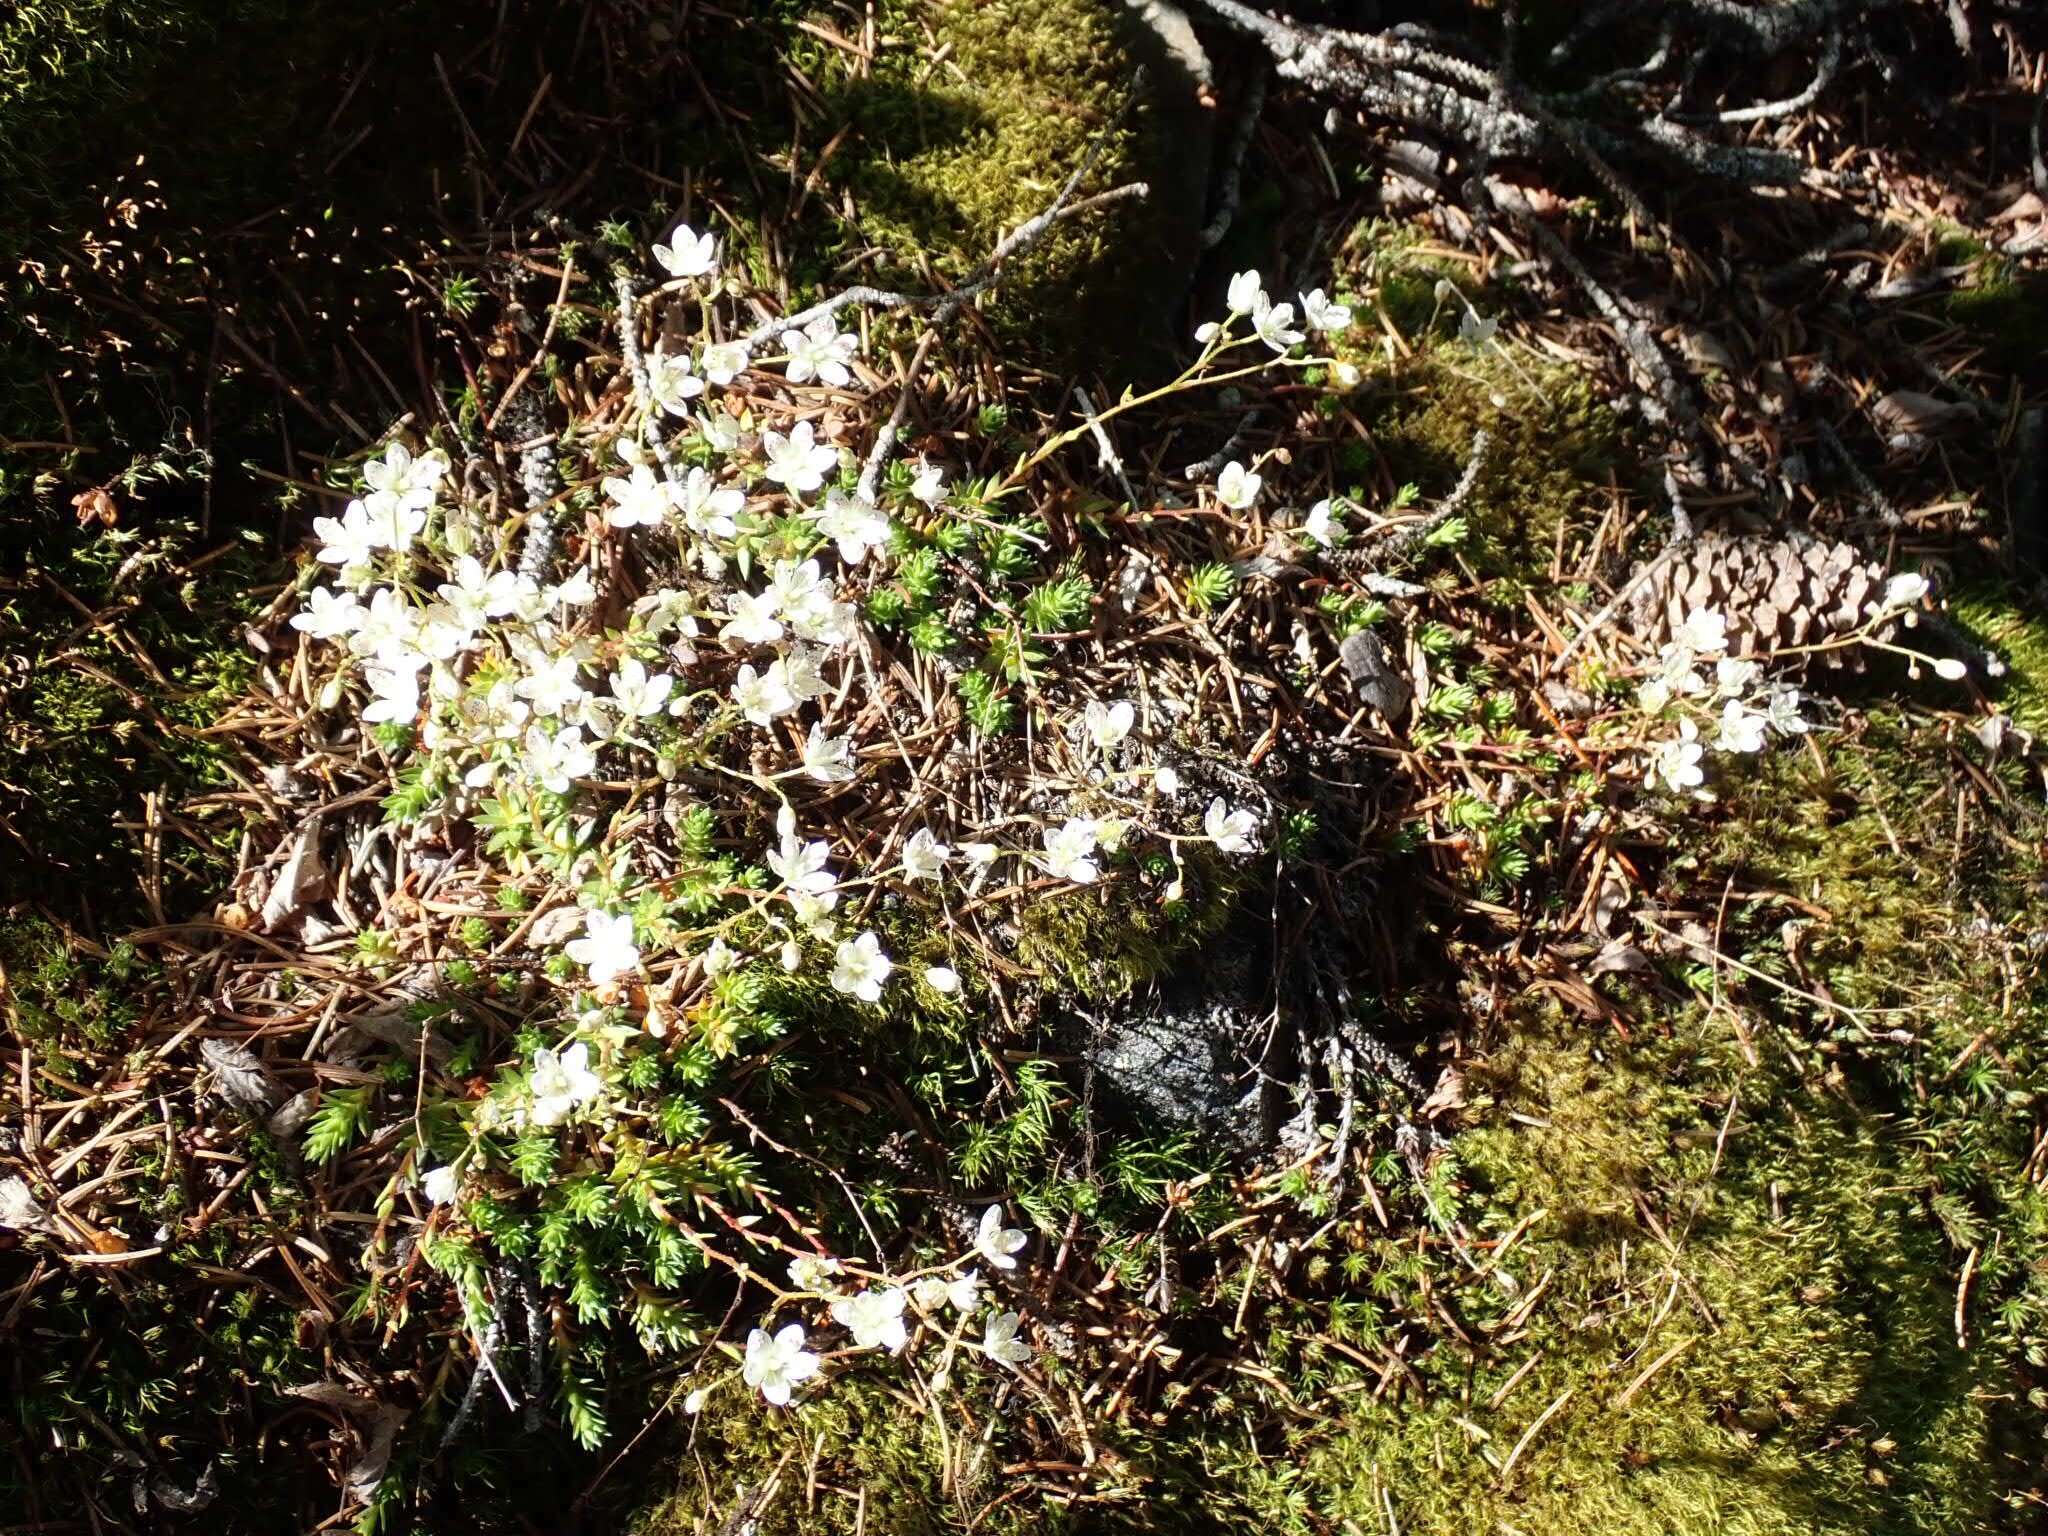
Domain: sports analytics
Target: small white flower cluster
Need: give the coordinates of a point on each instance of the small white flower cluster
(1696, 678)
(881, 1315)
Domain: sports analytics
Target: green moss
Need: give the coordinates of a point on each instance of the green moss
(2021, 643)
(2007, 311)
(1104, 941)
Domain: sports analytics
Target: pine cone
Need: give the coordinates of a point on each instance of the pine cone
(1776, 593)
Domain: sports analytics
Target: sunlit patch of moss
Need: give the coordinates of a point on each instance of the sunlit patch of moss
(2007, 311)
(1104, 941)
(2021, 642)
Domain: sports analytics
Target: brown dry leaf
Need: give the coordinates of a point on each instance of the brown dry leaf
(95, 506)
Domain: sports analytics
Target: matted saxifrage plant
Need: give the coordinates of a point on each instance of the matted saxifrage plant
(775, 739)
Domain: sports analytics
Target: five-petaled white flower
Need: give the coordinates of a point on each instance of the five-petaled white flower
(1323, 314)
(855, 526)
(1070, 850)
(924, 856)
(688, 254)
(347, 540)
(753, 620)
(440, 1184)
(1677, 762)
(776, 1364)
(820, 350)
(874, 1318)
(551, 684)
(1108, 724)
(407, 479)
(799, 865)
(560, 1083)
(638, 694)
(671, 384)
(1742, 729)
(997, 1243)
(814, 1272)
(709, 510)
(1231, 831)
(1781, 711)
(828, 759)
(606, 949)
(1321, 524)
(1000, 1343)
(722, 362)
(395, 694)
(393, 524)
(557, 761)
(1704, 631)
(798, 461)
(1274, 325)
(762, 696)
(1237, 487)
(640, 500)
(1734, 675)
(860, 967)
(328, 616)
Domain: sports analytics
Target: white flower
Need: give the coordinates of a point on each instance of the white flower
(638, 694)
(860, 967)
(722, 362)
(409, 481)
(1476, 329)
(721, 430)
(578, 590)
(819, 349)
(776, 1365)
(753, 620)
(688, 254)
(1321, 524)
(997, 1243)
(348, 539)
(929, 485)
(981, 858)
(1231, 831)
(924, 856)
(1677, 762)
(550, 684)
(799, 865)
(1207, 332)
(559, 1083)
(440, 1184)
(606, 949)
(444, 630)
(1781, 712)
(1735, 675)
(1274, 325)
(804, 669)
(393, 524)
(719, 958)
(855, 526)
(709, 510)
(1167, 781)
(874, 1318)
(1000, 1343)
(1906, 588)
(641, 500)
(813, 913)
(671, 384)
(693, 1402)
(556, 761)
(1245, 293)
(964, 1294)
(813, 1272)
(1069, 851)
(1108, 724)
(327, 616)
(477, 596)
(395, 694)
(828, 759)
(798, 461)
(1237, 487)
(665, 609)
(1742, 729)
(761, 696)
(1346, 374)
(942, 978)
(1950, 670)
(1323, 314)
(1704, 631)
